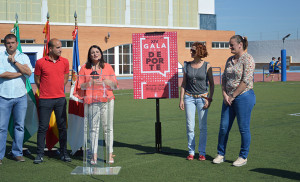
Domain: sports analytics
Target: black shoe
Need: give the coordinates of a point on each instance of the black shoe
(38, 159)
(65, 157)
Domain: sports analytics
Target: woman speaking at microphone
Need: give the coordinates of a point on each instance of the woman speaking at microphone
(95, 87)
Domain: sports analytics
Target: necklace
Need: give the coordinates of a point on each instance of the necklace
(194, 75)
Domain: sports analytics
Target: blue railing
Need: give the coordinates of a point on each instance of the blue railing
(215, 72)
(218, 72)
(264, 72)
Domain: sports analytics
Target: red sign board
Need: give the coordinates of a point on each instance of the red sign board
(155, 65)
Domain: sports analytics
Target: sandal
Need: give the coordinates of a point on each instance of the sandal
(202, 158)
(111, 161)
(93, 162)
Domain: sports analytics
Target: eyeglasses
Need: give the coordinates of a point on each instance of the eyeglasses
(193, 51)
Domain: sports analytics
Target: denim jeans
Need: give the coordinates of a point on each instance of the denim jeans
(241, 109)
(46, 106)
(190, 105)
(17, 107)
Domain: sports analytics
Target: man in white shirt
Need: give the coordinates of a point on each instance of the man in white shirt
(15, 67)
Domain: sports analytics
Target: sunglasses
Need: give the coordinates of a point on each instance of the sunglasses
(193, 51)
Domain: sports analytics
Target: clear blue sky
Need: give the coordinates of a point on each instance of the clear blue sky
(259, 19)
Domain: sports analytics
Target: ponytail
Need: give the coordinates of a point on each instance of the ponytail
(240, 39)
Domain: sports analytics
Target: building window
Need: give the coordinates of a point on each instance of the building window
(63, 11)
(67, 43)
(108, 12)
(28, 10)
(208, 22)
(125, 59)
(185, 13)
(220, 45)
(23, 41)
(120, 58)
(109, 56)
(150, 13)
(27, 41)
(189, 44)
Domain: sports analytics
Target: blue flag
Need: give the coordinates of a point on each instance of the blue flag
(76, 106)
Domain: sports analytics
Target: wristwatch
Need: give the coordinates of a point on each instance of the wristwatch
(15, 62)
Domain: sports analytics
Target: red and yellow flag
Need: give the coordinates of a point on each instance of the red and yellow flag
(46, 31)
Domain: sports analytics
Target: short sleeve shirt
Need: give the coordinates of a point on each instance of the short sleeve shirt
(233, 74)
(52, 76)
(13, 88)
(91, 95)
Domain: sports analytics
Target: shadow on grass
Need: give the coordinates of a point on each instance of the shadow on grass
(278, 172)
(151, 150)
(30, 149)
(146, 150)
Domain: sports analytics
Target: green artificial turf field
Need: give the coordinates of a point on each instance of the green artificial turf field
(274, 151)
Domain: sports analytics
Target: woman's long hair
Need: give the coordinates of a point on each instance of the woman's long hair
(89, 60)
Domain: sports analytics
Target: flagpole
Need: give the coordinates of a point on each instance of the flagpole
(76, 111)
(75, 16)
(74, 34)
(80, 151)
(16, 32)
(46, 31)
(48, 16)
(26, 151)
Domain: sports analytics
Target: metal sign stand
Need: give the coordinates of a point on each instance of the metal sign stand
(157, 128)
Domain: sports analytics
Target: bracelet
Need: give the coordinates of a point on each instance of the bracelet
(15, 62)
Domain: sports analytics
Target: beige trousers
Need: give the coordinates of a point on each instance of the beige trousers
(96, 113)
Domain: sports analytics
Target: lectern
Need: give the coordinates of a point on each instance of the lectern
(98, 112)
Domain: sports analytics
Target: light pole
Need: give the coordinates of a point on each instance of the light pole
(283, 60)
(285, 38)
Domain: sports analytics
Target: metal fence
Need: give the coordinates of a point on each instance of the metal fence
(273, 35)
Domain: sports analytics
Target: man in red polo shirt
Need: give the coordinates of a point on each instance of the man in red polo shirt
(51, 75)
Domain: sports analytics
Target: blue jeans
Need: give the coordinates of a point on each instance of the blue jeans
(241, 109)
(17, 107)
(190, 105)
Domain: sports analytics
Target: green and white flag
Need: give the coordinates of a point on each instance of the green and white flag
(31, 119)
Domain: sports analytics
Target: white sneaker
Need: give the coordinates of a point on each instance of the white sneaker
(219, 159)
(240, 162)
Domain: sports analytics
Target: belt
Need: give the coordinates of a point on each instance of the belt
(197, 96)
(205, 96)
